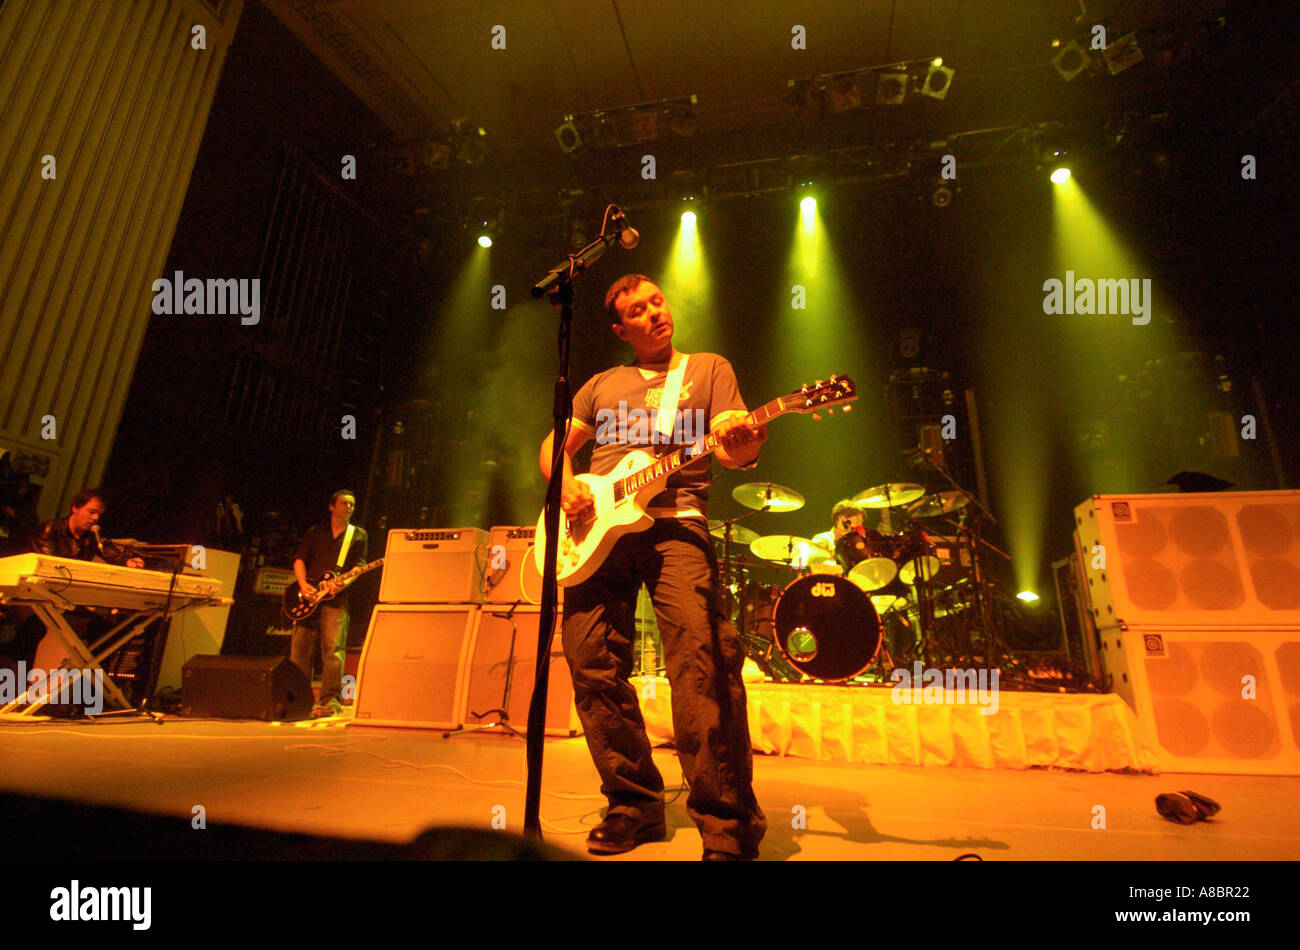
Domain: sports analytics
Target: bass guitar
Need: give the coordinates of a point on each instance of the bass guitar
(298, 606)
(621, 497)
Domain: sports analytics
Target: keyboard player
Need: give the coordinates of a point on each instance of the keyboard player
(76, 536)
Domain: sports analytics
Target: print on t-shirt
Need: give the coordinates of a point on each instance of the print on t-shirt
(621, 408)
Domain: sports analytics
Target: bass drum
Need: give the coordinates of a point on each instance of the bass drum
(826, 627)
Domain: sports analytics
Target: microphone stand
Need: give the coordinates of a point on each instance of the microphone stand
(558, 286)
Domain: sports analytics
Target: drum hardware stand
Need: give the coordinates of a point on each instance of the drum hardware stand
(973, 538)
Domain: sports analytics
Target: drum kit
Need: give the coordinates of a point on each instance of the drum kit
(857, 591)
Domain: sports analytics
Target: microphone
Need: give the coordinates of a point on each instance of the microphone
(629, 237)
(99, 542)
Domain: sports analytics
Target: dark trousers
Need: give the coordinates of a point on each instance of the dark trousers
(702, 650)
(331, 631)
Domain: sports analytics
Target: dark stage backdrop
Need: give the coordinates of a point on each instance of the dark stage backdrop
(223, 413)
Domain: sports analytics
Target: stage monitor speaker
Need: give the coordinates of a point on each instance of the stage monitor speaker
(434, 566)
(506, 642)
(1212, 699)
(413, 664)
(270, 688)
(1213, 559)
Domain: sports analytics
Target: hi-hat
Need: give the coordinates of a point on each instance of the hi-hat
(889, 495)
(765, 496)
(739, 533)
(939, 503)
(789, 549)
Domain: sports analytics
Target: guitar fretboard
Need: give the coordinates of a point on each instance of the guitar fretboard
(694, 451)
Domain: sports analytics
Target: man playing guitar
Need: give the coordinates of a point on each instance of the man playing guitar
(336, 545)
(674, 559)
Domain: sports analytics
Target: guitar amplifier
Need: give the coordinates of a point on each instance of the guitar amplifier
(434, 566)
(512, 576)
(505, 645)
(412, 669)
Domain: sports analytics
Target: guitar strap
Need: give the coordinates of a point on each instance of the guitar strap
(347, 543)
(668, 401)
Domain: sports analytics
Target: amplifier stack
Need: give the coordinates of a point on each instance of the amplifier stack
(453, 640)
(1194, 600)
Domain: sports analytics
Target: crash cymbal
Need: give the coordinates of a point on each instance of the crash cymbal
(939, 503)
(765, 496)
(739, 533)
(789, 549)
(889, 495)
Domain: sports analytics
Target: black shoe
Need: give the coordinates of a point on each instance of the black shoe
(620, 833)
(724, 856)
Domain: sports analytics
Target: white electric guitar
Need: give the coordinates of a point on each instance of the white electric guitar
(621, 496)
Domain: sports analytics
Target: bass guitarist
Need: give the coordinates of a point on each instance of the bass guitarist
(653, 403)
(336, 545)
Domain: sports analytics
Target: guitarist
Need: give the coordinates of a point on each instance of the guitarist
(336, 545)
(674, 559)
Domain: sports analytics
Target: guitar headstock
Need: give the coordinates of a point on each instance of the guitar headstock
(819, 395)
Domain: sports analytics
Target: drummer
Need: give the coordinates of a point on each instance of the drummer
(844, 518)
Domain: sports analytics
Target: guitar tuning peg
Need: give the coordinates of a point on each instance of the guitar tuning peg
(846, 409)
(817, 416)
(830, 412)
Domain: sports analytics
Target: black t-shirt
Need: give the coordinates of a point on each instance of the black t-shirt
(56, 539)
(620, 407)
(319, 551)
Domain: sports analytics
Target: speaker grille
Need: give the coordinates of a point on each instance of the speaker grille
(1215, 559)
(410, 671)
(1198, 704)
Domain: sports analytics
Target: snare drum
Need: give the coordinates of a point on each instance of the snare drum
(826, 627)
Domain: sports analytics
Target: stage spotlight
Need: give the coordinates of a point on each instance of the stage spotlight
(937, 79)
(1055, 158)
(808, 206)
(468, 141)
(568, 136)
(1028, 596)
(891, 87)
(688, 219)
(488, 228)
(1071, 60)
(941, 194)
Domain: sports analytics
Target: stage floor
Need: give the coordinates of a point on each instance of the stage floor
(391, 784)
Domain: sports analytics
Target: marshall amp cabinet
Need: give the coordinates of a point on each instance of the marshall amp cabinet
(434, 566)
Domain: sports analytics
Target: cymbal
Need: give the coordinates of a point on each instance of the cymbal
(739, 533)
(767, 496)
(939, 503)
(889, 495)
(788, 548)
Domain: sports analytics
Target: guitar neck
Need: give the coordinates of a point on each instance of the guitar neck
(356, 572)
(693, 452)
